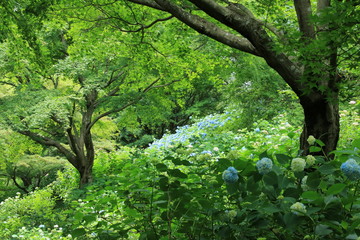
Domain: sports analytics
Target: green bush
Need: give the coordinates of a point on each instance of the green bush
(40, 233)
(30, 210)
(177, 189)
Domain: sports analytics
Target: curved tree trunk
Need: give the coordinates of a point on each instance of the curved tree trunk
(321, 121)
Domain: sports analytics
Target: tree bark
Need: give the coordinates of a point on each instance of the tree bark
(321, 121)
(86, 175)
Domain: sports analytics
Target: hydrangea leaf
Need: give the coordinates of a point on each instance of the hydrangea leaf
(336, 189)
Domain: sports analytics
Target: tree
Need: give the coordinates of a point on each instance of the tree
(77, 78)
(305, 49)
(63, 117)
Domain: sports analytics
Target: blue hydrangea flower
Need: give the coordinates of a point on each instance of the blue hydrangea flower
(264, 165)
(351, 169)
(203, 135)
(230, 175)
(206, 152)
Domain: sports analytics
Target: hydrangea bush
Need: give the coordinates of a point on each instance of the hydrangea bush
(209, 182)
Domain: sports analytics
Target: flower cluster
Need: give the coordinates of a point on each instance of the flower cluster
(185, 133)
(298, 208)
(351, 169)
(304, 185)
(310, 160)
(264, 165)
(212, 121)
(231, 214)
(311, 140)
(230, 175)
(298, 164)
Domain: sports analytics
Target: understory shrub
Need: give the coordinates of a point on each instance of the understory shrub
(206, 181)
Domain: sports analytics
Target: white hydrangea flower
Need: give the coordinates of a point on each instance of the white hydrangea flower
(311, 140)
(310, 160)
(304, 186)
(232, 214)
(298, 208)
(298, 164)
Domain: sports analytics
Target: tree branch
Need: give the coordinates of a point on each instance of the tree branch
(147, 89)
(148, 3)
(244, 23)
(146, 26)
(303, 13)
(8, 83)
(50, 142)
(204, 27)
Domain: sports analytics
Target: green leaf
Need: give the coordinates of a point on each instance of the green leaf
(354, 225)
(313, 179)
(291, 221)
(78, 216)
(336, 188)
(161, 167)
(271, 178)
(322, 230)
(314, 149)
(78, 232)
(291, 135)
(356, 143)
(231, 188)
(263, 155)
(176, 161)
(282, 158)
(185, 163)
(176, 173)
(321, 143)
(164, 183)
(270, 208)
(292, 192)
(224, 163)
(90, 218)
(331, 199)
(311, 195)
(327, 169)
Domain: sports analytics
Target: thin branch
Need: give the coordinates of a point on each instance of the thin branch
(150, 25)
(159, 86)
(114, 78)
(8, 83)
(147, 89)
(111, 112)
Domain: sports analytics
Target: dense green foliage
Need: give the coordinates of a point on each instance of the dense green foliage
(175, 189)
(172, 134)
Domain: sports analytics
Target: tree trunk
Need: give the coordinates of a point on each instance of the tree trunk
(321, 121)
(86, 175)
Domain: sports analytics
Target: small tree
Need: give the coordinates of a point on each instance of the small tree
(34, 171)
